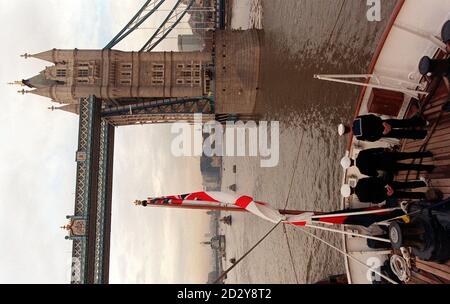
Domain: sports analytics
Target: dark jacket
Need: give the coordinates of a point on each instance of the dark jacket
(368, 127)
(371, 160)
(371, 190)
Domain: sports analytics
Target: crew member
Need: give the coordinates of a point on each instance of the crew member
(376, 190)
(370, 161)
(372, 128)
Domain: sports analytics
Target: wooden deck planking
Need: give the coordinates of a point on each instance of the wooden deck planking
(437, 161)
(421, 277)
(430, 146)
(443, 267)
(442, 182)
(417, 278)
(441, 137)
(435, 269)
(439, 144)
(434, 108)
(436, 101)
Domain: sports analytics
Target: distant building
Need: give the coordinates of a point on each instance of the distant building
(227, 220)
(214, 213)
(210, 168)
(217, 243)
(212, 277)
(190, 43)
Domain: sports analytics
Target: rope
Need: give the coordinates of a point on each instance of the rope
(400, 268)
(335, 24)
(293, 172)
(247, 253)
(347, 255)
(290, 254)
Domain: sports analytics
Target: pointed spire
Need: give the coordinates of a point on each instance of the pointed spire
(17, 82)
(23, 92)
(41, 92)
(72, 108)
(66, 227)
(46, 56)
(26, 55)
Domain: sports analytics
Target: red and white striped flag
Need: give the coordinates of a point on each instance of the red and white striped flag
(363, 217)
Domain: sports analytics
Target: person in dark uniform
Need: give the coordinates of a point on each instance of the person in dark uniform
(377, 190)
(370, 161)
(372, 128)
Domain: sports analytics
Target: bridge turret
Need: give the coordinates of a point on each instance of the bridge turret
(76, 227)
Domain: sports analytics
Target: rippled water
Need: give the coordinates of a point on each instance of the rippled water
(301, 38)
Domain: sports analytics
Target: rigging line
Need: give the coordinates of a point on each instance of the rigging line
(335, 24)
(347, 255)
(293, 172)
(247, 253)
(290, 253)
(343, 232)
(291, 256)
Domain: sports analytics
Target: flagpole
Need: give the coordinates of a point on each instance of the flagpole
(205, 205)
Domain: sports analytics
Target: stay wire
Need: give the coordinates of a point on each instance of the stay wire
(346, 254)
(291, 256)
(247, 253)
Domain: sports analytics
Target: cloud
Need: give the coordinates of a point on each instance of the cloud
(163, 242)
(37, 177)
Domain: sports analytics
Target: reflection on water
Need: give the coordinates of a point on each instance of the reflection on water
(301, 38)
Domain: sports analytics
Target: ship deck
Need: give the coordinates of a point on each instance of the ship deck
(438, 142)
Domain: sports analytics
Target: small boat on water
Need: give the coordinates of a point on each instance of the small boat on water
(395, 87)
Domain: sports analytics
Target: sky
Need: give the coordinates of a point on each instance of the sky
(37, 160)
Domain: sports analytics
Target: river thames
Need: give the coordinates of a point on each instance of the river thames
(301, 38)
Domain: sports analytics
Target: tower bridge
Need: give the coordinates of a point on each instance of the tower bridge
(108, 88)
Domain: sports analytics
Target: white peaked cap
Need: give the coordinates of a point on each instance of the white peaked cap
(346, 162)
(341, 129)
(346, 191)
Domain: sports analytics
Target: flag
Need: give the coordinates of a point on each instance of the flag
(363, 217)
